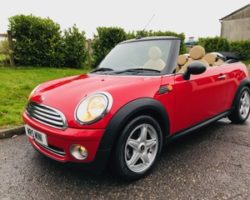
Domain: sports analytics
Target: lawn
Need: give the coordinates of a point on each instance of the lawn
(16, 85)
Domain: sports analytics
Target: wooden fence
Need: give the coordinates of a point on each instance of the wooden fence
(10, 43)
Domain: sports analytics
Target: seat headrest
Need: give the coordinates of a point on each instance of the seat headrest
(197, 52)
(155, 53)
(210, 58)
(181, 60)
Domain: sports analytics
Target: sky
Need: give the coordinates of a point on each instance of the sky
(198, 18)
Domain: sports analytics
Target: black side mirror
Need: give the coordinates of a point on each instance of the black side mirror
(194, 68)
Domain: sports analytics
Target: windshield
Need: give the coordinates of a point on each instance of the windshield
(148, 55)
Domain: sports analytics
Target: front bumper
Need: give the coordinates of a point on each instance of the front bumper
(60, 141)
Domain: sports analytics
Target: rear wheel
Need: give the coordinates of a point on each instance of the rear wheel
(241, 108)
(138, 148)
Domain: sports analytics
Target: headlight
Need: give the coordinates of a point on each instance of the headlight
(93, 108)
(33, 91)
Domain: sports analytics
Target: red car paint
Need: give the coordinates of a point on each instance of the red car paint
(189, 102)
(185, 102)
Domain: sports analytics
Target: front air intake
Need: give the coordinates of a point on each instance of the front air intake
(46, 115)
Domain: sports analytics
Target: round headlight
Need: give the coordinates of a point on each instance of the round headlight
(93, 108)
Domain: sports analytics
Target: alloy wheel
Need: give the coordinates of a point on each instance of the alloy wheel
(244, 104)
(141, 148)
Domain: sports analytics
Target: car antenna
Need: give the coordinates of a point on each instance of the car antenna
(149, 21)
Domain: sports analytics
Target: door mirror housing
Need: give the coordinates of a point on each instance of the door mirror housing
(194, 68)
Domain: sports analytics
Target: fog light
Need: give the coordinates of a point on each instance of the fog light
(79, 152)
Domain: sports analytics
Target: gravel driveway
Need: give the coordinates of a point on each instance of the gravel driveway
(212, 163)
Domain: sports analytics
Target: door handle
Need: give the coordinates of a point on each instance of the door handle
(222, 76)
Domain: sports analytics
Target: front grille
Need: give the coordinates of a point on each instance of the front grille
(52, 149)
(46, 115)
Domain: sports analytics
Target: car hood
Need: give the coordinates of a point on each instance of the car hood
(66, 93)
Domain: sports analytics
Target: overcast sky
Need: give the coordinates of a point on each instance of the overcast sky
(193, 17)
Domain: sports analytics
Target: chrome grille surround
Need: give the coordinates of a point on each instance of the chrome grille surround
(46, 115)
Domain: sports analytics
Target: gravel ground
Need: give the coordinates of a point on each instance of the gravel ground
(212, 163)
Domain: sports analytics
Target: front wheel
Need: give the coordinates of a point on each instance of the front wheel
(241, 108)
(138, 148)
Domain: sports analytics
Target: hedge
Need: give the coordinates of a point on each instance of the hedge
(36, 40)
(106, 39)
(74, 47)
(242, 48)
(214, 44)
(40, 42)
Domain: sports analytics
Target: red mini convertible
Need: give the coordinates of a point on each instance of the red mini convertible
(142, 94)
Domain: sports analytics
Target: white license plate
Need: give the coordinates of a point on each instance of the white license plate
(36, 135)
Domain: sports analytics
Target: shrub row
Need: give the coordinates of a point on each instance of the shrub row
(242, 48)
(40, 42)
(105, 40)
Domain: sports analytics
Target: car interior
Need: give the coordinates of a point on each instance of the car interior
(198, 53)
(155, 60)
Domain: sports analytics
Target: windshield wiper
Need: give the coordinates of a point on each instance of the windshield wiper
(102, 69)
(137, 70)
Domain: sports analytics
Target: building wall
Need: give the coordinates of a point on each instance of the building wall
(244, 13)
(236, 29)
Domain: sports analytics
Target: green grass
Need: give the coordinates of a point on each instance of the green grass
(16, 85)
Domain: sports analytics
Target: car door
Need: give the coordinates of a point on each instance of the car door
(199, 99)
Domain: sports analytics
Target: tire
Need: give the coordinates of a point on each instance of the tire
(138, 148)
(241, 109)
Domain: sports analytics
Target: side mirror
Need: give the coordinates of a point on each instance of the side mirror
(194, 68)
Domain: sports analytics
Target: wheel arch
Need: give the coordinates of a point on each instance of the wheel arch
(142, 106)
(244, 83)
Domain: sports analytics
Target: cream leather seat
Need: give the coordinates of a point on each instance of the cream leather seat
(181, 61)
(213, 59)
(210, 58)
(155, 61)
(219, 59)
(218, 62)
(197, 53)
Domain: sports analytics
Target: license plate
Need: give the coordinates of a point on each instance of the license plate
(36, 135)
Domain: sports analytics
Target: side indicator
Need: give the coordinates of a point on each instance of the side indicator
(165, 89)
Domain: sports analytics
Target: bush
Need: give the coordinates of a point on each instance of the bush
(4, 60)
(4, 47)
(74, 47)
(242, 48)
(37, 41)
(214, 44)
(106, 39)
